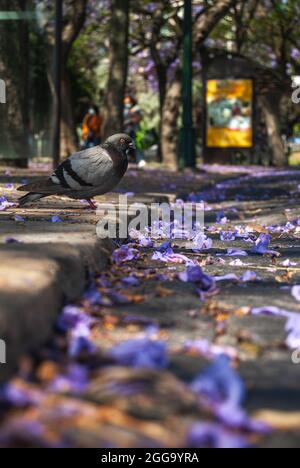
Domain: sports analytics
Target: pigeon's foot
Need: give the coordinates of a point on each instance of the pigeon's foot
(92, 204)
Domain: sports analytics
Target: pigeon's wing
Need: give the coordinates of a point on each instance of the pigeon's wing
(89, 168)
(83, 170)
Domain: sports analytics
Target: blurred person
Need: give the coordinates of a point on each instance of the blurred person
(132, 120)
(91, 128)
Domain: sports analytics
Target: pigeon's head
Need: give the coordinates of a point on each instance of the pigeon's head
(122, 142)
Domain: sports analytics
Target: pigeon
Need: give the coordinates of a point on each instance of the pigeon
(85, 174)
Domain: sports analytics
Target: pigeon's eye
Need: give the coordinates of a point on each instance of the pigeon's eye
(122, 141)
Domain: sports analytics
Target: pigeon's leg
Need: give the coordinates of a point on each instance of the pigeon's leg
(92, 204)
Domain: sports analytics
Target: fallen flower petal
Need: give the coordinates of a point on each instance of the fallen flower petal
(227, 236)
(56, 219)
(125, 254)
(249, 276)
(229, 277)
(261, 246)
(196, 275)
(212, 435)
(296, 292)
(222, 391)
(141, 353)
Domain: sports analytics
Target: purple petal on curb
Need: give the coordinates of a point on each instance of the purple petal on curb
(229, 277)
(209, 350)
(56, 219)
(296, 292)
(292, 326)
(227, 236)
(125, 254)
(12, 240)
(75, 380)
(234, 253)
(221, 390)
(202, 242)
(141, 353)
(262, 245)
(196, 275)
(93, 295)
(4, 204)
(237, 262)
(288, 263)
(19, 219)
(249, 276)
(212, 435)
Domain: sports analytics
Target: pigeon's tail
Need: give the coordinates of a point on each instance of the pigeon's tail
(29, 198)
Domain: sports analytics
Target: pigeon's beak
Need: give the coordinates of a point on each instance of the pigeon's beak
(132, 145)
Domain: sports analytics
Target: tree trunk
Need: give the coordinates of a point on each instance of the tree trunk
(170, 115)
(68, 139)
(74, 19)
(271, 114)
(162, 85)
(118, 66)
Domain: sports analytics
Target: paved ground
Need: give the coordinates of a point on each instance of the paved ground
(101, 402)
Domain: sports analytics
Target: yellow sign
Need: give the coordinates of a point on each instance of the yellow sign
(229, 106)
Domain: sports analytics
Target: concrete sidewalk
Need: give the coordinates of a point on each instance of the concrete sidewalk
(42, 271)
(44, 263)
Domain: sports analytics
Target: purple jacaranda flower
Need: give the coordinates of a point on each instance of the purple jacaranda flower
(262, 245)
(249, 276)
(196, 275)
(75, 380)
(12, 240)
(237, 263)
(19, 219)
(227, 236)
(141, 353)
(221, 390)
(212, 435)
(209, 350)
(125, 254)
(221, 218)
(271, 310)
(56, 219)
(243, 232)
(141, 239)
(93, 295)
(296, 292)
(228, 277)
(201, 242)
(292, 325)
(80, 341)
(131, 281)
(234, 253)
(220, 387)
(4, 204)
(288, 263)
(9, 186)
(166, 247)
(170, 257)
(71, 316)
(19, 395)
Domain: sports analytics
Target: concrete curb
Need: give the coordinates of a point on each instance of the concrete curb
(35, 279)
